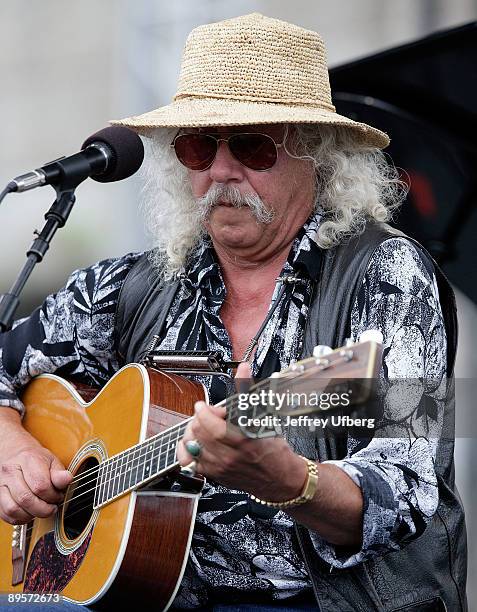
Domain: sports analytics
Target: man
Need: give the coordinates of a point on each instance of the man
(265, 208)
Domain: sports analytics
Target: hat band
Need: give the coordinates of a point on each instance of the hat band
(287, 101)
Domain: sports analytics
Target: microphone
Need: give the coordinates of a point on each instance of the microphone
(112, 154)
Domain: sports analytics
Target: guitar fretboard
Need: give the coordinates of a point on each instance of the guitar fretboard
(137, 465)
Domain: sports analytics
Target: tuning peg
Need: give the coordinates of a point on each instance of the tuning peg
(321, 350)
(372, 335)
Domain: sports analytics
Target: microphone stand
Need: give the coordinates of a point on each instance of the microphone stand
(70, 177)
(55, 217)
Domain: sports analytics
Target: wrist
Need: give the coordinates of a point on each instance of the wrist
(9, 415)
(306, 493)
(15, 436)
(297, 475)
(288, 481)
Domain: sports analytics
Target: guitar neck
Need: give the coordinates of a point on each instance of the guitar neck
(136, 466)
(157, 456)
(146, 461)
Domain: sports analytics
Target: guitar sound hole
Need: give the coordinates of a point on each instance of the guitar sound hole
(80, 499)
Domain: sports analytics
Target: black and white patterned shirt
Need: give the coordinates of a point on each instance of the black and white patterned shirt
(237, 549)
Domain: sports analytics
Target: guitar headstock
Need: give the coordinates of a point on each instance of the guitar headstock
(328, 382)
(353, 360)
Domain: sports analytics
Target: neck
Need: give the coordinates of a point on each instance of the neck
(243, 278)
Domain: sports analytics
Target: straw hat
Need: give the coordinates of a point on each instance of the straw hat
(253, 70)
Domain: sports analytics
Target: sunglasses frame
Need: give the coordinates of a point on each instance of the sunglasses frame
(278, 145)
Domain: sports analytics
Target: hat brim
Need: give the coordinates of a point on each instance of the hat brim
(205, 112)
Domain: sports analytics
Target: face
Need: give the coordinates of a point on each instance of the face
(286, 189)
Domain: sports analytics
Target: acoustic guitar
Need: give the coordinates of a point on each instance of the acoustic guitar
(124, 530)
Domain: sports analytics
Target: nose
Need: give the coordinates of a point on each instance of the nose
(225, 167)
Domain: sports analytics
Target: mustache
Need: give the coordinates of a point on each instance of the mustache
(231, 194)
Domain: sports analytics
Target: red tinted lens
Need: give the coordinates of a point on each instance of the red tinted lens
(256, 151)
(195, 151)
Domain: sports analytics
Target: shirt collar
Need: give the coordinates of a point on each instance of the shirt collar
(305, 254)
(202, 265)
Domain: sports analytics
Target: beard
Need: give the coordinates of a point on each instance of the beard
(227, 193)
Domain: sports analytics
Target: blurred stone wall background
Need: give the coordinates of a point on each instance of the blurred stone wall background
(68, 67)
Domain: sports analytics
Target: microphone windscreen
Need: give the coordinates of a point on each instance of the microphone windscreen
(127, 152)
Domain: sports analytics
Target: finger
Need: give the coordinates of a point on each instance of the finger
(210, 428)
(243, 370)
(190, 469)
(200, 405)
(60, 477)
(218, 462)
(207, 425)
(243, 377)
(25, 498)
(36, 472)
(10, 511)
(218, 410)
(181, 453)
(186, 460)
(202, 465)
(184, 456)
(190, 433)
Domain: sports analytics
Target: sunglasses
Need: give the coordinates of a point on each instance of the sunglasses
(255, 151)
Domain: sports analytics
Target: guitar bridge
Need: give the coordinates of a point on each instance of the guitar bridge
(19, 552)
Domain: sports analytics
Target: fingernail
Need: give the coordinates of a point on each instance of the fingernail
(198, 406)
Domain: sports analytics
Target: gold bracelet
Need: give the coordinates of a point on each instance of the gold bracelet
(307, 493)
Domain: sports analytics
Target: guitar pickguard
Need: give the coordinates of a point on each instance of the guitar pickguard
(49, 571)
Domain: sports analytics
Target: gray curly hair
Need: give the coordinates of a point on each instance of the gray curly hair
(353, 184)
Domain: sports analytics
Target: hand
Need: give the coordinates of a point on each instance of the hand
(267, 468)
(31, 477)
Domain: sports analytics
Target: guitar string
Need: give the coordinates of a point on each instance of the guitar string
(284, 378)
(162, 437)
(318, 367)
(132, 449)
(172, 435)
(172, 438)
(130, 488)
(231, 415)
(230, 399)
(127, 453)
(115, 477)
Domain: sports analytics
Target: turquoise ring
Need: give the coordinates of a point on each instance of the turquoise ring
(194, 448)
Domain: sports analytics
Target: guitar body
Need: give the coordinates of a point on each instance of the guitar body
(135, 548)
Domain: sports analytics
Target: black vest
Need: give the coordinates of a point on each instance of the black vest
(431, 567)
